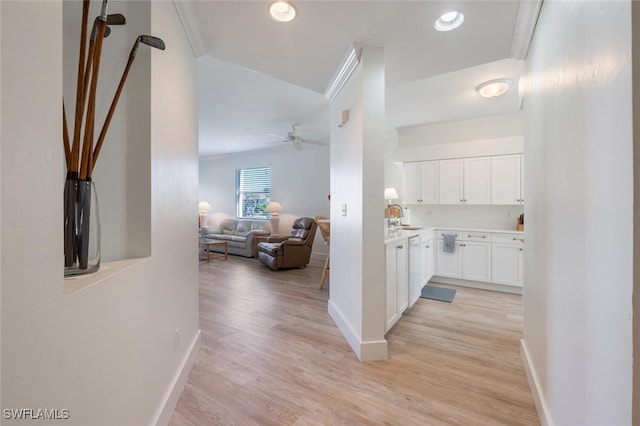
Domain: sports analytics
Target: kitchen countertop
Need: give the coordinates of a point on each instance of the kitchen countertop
(400, 234)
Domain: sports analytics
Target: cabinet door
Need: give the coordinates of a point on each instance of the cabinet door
(450, 183)
(476, 261)
(506, 179)
(428, 261)
(449, 264)
(416, 268)
(506, 264)
(391, 287)
(412, 179)
(429, 182)
(402, 281)
(477, 180)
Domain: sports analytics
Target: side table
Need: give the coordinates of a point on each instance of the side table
(207, 244)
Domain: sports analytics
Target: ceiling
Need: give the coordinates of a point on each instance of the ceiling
(258, 76)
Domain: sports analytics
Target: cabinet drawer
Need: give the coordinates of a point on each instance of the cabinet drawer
(458, 234)
(508, 238)
(477, 236)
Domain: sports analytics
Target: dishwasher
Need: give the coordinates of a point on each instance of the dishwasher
(415, 268)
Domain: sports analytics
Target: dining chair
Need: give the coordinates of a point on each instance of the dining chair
(325, 231)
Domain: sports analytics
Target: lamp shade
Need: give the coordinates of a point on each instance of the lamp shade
(203, 205)
(274, 207)
(391, 194)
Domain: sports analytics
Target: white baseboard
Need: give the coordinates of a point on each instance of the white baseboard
(534, 385)
(374, 350)
(477, 284)
(177, 386)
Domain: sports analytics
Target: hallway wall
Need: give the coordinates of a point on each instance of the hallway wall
(579, 186)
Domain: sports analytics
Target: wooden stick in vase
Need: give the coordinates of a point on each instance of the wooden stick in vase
(65, 136)
(73, 164)
(152, 41)
(87, 147)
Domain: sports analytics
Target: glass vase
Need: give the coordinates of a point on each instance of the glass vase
(81, 227)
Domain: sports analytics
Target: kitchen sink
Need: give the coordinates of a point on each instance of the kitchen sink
(411, 228)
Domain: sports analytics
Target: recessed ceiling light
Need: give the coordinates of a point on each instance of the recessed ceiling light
(282, 11)
(449, 21)
(494, 88)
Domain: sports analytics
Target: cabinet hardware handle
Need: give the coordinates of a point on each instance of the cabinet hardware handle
(520, 249)
(399, 247)
(476, 236)
(427, 246)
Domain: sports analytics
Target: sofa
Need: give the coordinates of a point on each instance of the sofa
(240, 235)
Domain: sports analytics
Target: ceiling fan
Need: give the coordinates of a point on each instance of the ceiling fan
(296, 140)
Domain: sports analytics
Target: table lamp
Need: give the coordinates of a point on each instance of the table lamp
(204, 207)
(274, 207)
(390, 194)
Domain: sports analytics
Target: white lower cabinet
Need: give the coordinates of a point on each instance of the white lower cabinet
(397, 282)
(421, 263)
(507, 259)
(471, 259)
(449, 264)
(476, 261)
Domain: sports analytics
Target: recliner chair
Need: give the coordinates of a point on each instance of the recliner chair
(293, 252)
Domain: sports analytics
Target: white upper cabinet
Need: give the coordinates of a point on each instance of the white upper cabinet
(451, 182)
(421, 182)
(477, 180)
(507, 182)
(465, 181)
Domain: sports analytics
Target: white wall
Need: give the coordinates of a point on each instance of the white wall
(472, 216)
(101, 348)
(299, 181)
(448, 132)
(579, 186)
(358, 295)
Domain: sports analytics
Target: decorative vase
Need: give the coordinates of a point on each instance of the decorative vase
(81, 227)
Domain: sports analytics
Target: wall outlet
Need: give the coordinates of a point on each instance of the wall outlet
(176, 339)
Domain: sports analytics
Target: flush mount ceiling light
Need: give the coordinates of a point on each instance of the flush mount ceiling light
(282, 11)
(449, 21)
(494, 88)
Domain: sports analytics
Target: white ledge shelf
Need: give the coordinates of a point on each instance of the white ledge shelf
(107, 270)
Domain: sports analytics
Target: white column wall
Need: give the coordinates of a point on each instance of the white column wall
(358, 296)
(579, 186)
(106, 352)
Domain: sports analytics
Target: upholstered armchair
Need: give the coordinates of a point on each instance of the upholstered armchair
(294, 251)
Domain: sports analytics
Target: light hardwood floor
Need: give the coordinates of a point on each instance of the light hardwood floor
(271, 355)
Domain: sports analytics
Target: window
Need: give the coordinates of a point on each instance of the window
(253, 192)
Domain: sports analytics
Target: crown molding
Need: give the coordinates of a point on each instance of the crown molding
(528, 13)
(191, 27)
(344, 71)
